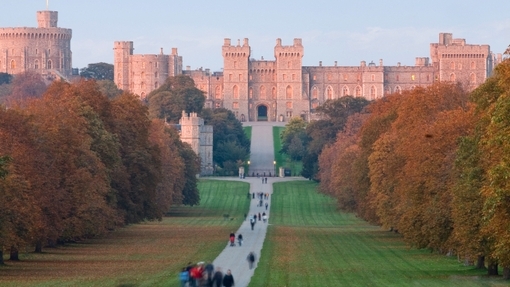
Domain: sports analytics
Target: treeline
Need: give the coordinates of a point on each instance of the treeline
(75, 164)
(432, 164)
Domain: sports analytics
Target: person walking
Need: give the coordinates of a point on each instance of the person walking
(251, 259)
(228, 279)
(240, 239)
(252, 222)
(218, 278)
(264, 217)
(232, 239)
(267, 204)
(184, 277)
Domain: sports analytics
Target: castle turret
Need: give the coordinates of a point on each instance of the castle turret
(47, 19)
(235, 73)
(121, 56)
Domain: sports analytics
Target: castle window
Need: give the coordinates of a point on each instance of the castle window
(358, 91)
(329, 93)
(345, 91)
(49, 64)
(235, 105)
(397, 78)
(217, 92)
(472, 78)
(273, 93)
(372, 77)
(235, 64)
(373, 92)
(250, 92)
(293, 77)
(142, 75)
(315, 105)
(288, 92)
(156, 64)
(314, 77)
(36, 51)
(156, 75)
(289, 105)
(359, 77)
(217, 105)
(262, 93)
(251, 77)
(329, 77)
(345, 77)
(235, 91)
(230, 77)
(398, 90)
(473, 65)
(284, 77)
(150, 64)
(36, 64)
(288, 65)
(315, 93)
(412, 78)
(452, 77)
(240, 77)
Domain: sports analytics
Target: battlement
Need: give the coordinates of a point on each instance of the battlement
(35, 33)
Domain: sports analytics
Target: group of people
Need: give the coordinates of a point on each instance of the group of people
(232, 239)
(204, 275)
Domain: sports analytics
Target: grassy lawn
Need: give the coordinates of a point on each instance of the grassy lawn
(309, 244)
(149, 254)
(283, 159)
(247, 132)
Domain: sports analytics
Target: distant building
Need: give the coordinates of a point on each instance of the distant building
(276, 90)
(200, 137)
(45, 49)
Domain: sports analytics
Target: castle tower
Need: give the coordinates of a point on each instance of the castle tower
(289, 82)
(45, 49)
(121, 58)
(236, 77)
(200, 137)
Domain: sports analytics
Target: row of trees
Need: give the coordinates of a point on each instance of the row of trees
(75, 164)
(433, 164)
(231, 147)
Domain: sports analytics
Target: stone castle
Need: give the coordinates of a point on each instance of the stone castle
(200, 137)
(276, 90)
(45, 49)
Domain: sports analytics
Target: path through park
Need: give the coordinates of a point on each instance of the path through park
(262, 157)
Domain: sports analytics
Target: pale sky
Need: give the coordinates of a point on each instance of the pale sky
(332, 30)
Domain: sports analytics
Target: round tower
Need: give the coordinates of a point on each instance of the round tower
(121, 58)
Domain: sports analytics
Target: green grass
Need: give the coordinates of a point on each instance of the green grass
(148, 254)
(247, 132)
(309, 244)
(283, 159)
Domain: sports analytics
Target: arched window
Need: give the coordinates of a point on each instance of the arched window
(452, 77)
(288, 92)
(36, 64)
(472, 78)
(250, 92)
(235, 91)
(315, 92)
(262, 93)
(358, 91)
(273, 93)
(345, 91)
(373, 92)
(398, 90)
(372, 77)
(329, 93)
(217, 92)
(13, 64)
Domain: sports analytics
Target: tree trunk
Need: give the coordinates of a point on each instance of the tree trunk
(14, 254)
(492, 269)
(480, 262)
(38, 247)
(506, 273)
(1, 256)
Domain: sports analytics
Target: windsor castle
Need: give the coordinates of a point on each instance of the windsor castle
(255, 90)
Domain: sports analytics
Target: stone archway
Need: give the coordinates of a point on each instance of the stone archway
(262, 113)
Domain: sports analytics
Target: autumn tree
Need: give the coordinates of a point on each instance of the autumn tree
(98, 71)
(27, 85)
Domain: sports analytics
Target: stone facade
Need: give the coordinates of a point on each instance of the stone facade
(45, 49)
(276, 90)
(141, 74)
(200, 137)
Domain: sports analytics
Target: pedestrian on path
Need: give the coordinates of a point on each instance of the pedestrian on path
(184, 277)
(232, 239)
(264, 217)
(218, 278)
(228, 280)
(260, 218)
(251, 259)
(267, 204)
(240, 239)
(252, 222)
